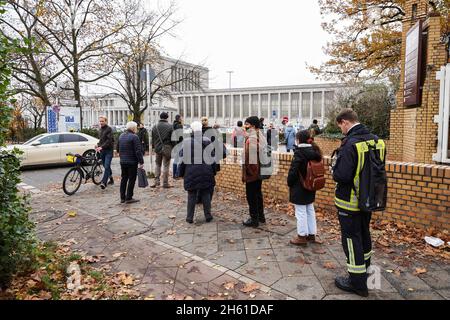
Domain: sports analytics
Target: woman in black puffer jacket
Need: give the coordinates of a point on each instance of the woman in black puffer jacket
(198, 172)
(303, 199)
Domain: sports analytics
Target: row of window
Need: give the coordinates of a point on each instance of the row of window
(300, 105)
(184, 79)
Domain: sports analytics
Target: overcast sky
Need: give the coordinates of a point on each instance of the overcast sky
(265, 42)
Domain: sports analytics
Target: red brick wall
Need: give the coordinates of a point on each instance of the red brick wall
(328, 145)
(418, 195)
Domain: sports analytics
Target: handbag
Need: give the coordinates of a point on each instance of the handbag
(142, 178)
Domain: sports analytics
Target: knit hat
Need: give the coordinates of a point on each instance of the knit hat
(164, 116)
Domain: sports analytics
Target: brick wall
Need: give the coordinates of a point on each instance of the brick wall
(413, 131)
(419, 194)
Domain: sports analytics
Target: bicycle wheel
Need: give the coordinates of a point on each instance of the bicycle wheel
(72, 181)
(97, 174)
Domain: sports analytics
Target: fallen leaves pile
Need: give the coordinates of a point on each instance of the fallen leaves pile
(51, 279)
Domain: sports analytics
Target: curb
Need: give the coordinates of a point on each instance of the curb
(27, 188)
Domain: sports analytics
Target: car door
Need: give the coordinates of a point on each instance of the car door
(73, 143)
(46, 152)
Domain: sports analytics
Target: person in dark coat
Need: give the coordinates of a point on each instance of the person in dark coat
(143, 137)
(177, 125)
(106, 148)
(130, 151)
(198, 172)
(303, 199)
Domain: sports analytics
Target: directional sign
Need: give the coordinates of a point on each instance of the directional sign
(68, 102)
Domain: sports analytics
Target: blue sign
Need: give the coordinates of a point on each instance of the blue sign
(70, 119)
(274, 113)
(52, 121)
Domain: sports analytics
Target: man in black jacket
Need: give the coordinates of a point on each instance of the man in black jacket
(355, 224)
(106, 148)
(130, 151)
(162, 144)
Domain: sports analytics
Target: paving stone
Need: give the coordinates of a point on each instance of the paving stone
(406, 281)
(264, 255)
(230, 235)
(229, 227)
(379, 295)
(169, 259)
(229, 259)
(134, 265)
(178, 240)
(197, 272)
(257, 243)
(158, 291)
(160, 275)
(202, 249)
(302, 288)
(251, 233)
(422, 295)
(266, 273)
(205, 237)
(288, 254)
(124, 224)
(343, 297)
(292, 269)
(231, 244)
(444, 293)
(437, 279)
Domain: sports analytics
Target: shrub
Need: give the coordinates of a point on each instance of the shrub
(91, 132)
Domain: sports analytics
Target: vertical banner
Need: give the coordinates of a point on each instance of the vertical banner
(52, 120)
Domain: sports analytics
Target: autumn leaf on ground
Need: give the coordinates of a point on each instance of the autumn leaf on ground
(319, 251)
(125, 278)
(250, 287)
(171, 232)
(383, 243)
(329, 265)
(229, 285)
(72, 214)
(420, 271)
(172, 217)
(119, 254)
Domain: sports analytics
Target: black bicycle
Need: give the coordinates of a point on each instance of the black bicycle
(86, 167)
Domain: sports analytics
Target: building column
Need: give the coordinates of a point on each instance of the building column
(279, 106)
(323, 107)
(311, 107)
(241, 108)
(207, 106)
(232, 108)
(290, 107)
(184, 107)
(259, 105)
(192, 108)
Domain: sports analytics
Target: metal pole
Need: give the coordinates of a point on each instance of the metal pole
(229, 80)
(149, 106)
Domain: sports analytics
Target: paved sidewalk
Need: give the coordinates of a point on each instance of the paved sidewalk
(217, 260)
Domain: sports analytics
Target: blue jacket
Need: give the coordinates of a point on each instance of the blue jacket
(130, 149)
(197, 171)
(289, 135)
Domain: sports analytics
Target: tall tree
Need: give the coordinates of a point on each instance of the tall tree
(139, 46)
(80, 33)
(366, 39)
(36, 70)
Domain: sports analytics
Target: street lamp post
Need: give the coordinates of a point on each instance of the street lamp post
(150, 114)
(229, 78)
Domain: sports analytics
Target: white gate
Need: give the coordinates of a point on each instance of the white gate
(443, 119)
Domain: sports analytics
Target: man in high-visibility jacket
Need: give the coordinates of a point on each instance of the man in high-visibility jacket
(355, 224)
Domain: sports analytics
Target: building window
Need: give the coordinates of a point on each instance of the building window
(211, 107)
(329, 101)
(295, 105)
(181, 106)
(246, 106)
(227, 106)
(196, 107)
(284, 105)
(237, 106)
(317, 105)
(188, 108)
(254, 106)
(274, 104)
(219, 104)
(265, 105)
(306, 105)
(203, 105)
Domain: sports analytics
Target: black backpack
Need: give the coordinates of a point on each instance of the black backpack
(373, 181)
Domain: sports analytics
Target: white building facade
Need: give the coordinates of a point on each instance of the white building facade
(301, 104)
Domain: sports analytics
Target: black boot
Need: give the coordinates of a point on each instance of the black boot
(111, 181)
(344, 283)
(251, 223)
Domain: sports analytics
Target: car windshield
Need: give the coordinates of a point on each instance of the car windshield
(33, 139)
